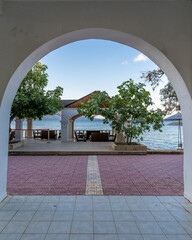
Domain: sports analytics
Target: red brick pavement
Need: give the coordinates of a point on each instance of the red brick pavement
(66, 175)
(47, 175)
(142, 175)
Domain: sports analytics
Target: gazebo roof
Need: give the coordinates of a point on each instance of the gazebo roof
(77, 103)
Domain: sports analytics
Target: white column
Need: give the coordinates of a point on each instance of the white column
(187, 130)
(64, 131)
(19, 132)
(70, 130)
(4, 122)
(29, 133)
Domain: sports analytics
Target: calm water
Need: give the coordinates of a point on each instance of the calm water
(168, 139)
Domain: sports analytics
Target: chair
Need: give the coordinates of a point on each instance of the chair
(80, 137)
(53, 134)
(112, 138)
(11, 135)
(99, 137)
(37, 133)
(44, 134)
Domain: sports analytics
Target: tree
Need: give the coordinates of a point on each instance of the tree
(32, 100)
(168, 95)
(127, 112)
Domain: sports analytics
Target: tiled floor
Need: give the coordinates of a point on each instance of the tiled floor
(116, 175)
(95, 218)
(141, 174)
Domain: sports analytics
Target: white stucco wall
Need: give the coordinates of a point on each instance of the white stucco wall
(162, 30)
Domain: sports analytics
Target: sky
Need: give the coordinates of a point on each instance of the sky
(85, 66)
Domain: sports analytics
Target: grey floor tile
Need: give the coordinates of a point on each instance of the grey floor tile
(178, 237)
(103, 199)
(83, 216)
(130, 237)
(187, 226)
(137, 207)
(18, 199)
(15, 227)
(103, 216)
(87, 199)
(143, 216)
(2, 204)
(180, 199)
(43, 216)
(187, 206)
(6, 215)
(174, 207)
(30, 206)
(81, 237)
(119, 206)
(34, 199)
(166, 199)
(58, 236)
(150, 199)
(49, 206)
(127, 227)
(104, 227)
(3, 224)
(23, 215)
(117, 199)
(123, 216)
(82, 227)
(163, 217)
(63, 216)
(68, 207)
(52, 199)
(134, 199)
(10, 236)
(99, 206)
(60, 227)
(11, 206)
(33, 236)
(182, 216)
(154, 237)
(149, 228)
(156, 207)
(38, 227)
(171, 228)
(105, 237)
(67, 199)
(7, 199)
(83, 206)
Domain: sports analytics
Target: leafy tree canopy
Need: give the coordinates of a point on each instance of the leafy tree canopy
(168, 95)
(32, 100)
(127, 112)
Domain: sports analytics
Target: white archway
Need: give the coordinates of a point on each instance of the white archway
(107, 34)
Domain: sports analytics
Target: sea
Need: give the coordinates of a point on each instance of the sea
(167, 139)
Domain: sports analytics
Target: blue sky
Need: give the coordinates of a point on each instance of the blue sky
(88, 65)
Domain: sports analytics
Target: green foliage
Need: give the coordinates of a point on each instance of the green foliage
(127, 112)
(32, 100)
(169, 99)
(168, 95)
(153, 77)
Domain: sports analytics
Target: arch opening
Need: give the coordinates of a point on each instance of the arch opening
(106, 34)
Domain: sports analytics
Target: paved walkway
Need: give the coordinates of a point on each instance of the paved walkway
(142, 175)
(108, 175)
(95, 218)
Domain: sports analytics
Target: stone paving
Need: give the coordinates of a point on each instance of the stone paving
(95, 218)
(93, 186)
(108, 175)
(141, 175)
(47, 175)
